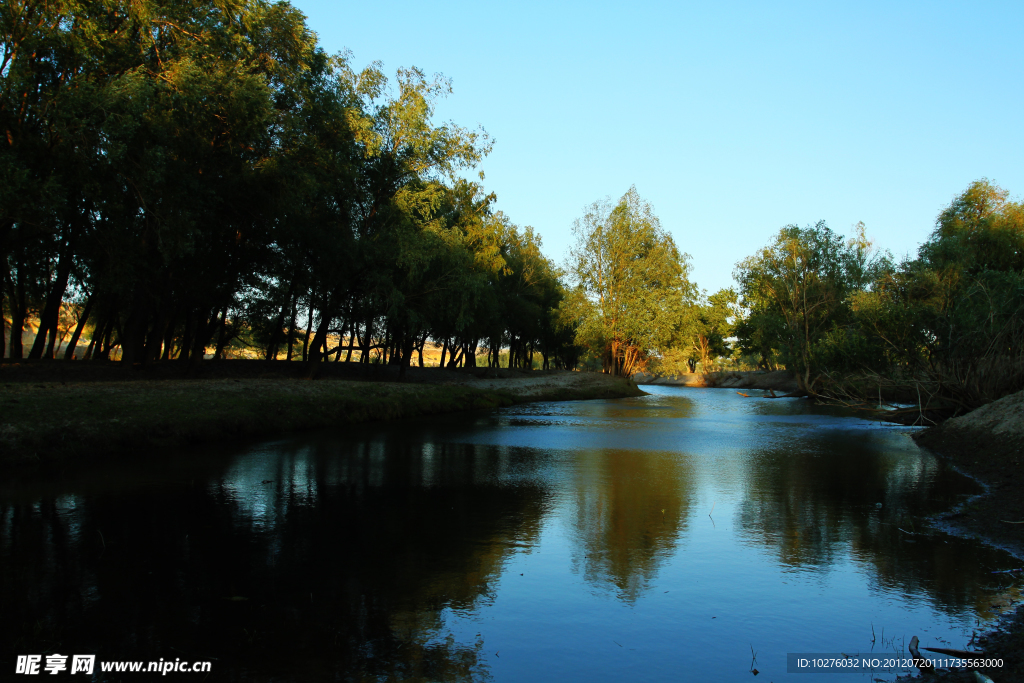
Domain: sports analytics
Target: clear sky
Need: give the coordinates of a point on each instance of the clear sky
(732, 118)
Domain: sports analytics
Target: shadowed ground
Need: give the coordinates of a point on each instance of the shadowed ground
(55, 412)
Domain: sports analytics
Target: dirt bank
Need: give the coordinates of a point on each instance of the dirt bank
(51, 414)
(688, 380)
(988, 444)
(780, 380)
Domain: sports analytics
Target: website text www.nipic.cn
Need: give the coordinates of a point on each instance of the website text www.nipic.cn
(32, 665)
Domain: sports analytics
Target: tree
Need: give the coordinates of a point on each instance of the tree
(947, 326)
(799, 288)
(194, 173)
(980, 230)
(714, 325)
(630, 283)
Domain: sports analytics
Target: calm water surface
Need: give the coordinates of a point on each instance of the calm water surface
(651, 539)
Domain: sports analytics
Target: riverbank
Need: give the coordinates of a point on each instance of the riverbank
(988, 444)
(779, 380)
(57, 412)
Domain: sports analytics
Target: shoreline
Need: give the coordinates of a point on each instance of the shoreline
(987, 446)
(778, 380)
(54, 416)
(50, 419)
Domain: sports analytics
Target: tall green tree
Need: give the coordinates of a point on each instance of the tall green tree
(629, 283)
(798, 288)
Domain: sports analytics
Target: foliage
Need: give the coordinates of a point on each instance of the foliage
(203, 174)
(797, 291)
(949, 325)
(630, 284)
(944, 330)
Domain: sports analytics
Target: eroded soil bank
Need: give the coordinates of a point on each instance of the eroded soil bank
(52, 413)
(780, 380)
(988, 444)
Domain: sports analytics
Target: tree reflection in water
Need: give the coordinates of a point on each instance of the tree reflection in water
(630, 513)
(836, 494)
(395, 554)
(294, 564)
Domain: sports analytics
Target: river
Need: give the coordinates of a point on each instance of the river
(691, 533)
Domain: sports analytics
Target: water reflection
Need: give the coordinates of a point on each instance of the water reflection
(630, 514)
(304, 557)
(543, 542)
(842, 494)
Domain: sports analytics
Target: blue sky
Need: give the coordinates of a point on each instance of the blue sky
(732, 119)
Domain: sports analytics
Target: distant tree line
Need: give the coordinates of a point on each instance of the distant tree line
(190, 172)
(944, 330)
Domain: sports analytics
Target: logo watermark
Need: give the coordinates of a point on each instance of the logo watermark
(34, 665)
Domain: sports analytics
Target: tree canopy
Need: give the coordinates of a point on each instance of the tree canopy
(797, 289)
(192, 173)
(944, 330)
(629, 282)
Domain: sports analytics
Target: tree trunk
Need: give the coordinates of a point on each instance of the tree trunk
(191, 318)
(52, 344)
(407, 348)
(155, 335)
(51, 310)
(204, 333)
(14, 293)
(275, 335)
(222, 335)
(341, 340)
(319, 339)
(385, 356)
(457, 352)
(3, 291)
(367, 342)
(352, 338)
(105, 340)
(291, 326)
(133, 334)
(69, 353)
(169, 334)
(309, 326)
(96, 343)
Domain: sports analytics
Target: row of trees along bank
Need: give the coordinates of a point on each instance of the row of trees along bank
(188, 172)
(944, 330)
(191, 173)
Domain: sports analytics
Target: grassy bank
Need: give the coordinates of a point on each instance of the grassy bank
(51, 422)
